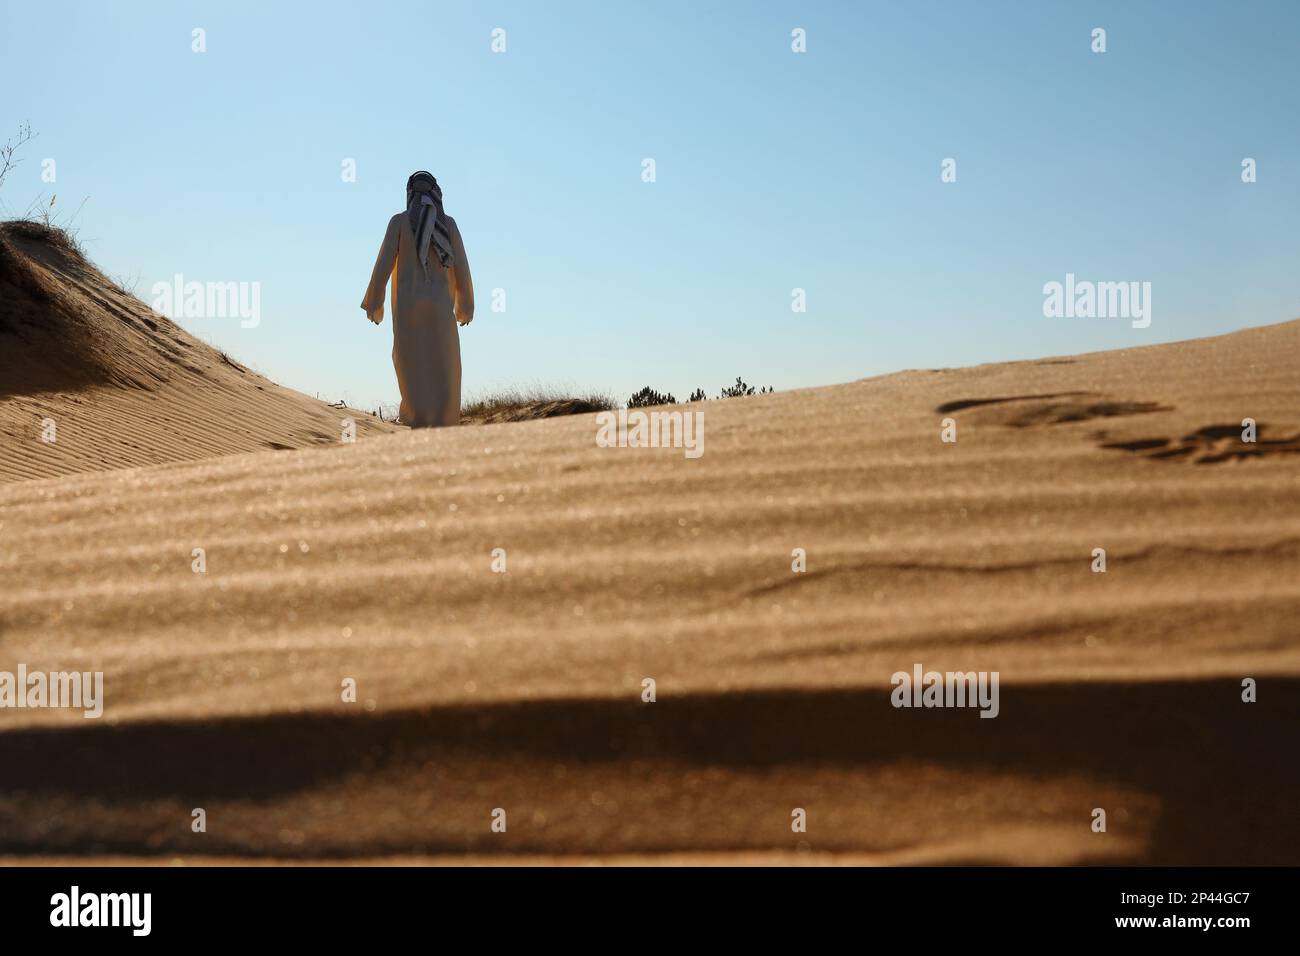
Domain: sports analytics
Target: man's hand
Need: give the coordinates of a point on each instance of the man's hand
(464, 319)
(376, 316)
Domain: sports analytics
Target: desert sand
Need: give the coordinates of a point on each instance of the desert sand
(522, 690)
(124, 385)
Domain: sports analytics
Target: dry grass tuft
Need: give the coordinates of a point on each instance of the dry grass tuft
(533, 402)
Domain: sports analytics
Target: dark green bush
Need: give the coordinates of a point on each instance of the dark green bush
(648, 396)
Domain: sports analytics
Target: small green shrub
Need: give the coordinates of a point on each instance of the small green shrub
(648, 396)
(741, 389)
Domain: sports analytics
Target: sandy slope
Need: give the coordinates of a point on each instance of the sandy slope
(522, 690)
(123, 385)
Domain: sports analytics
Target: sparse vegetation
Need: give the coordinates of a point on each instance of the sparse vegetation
(40, 213)
(648, 396)
(11, 147)
(533, 402)
(741, 389)
(56, 236)
(126, 284)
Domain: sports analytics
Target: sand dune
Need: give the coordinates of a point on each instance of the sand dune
(123, 385)
(522, 690)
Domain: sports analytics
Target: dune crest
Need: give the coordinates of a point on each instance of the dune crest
(123, 385)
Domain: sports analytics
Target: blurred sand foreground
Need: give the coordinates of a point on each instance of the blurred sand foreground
(522, 691)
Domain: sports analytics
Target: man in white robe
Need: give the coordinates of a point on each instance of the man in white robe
(424, 255)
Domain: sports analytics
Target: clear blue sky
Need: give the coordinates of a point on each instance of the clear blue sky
(775, 170)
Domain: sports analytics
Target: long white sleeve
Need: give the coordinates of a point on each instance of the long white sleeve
(373, 302)
(462, 284)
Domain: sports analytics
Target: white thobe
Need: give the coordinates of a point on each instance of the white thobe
(426, 308)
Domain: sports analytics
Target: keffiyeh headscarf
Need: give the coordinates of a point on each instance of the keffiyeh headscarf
(428, 221)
